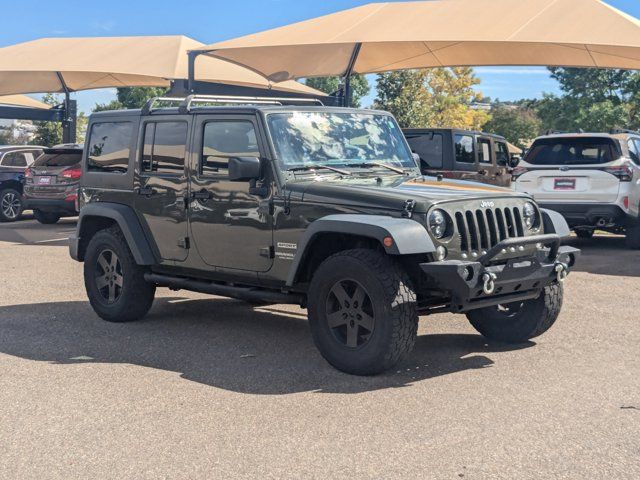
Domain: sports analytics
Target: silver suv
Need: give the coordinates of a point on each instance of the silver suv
(592, 179)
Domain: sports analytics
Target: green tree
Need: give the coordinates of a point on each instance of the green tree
(592, 100)
(359, 85)
(437, 97)
(518, 125)
(130, 98)
(49, 133)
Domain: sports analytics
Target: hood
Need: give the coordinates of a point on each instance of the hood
(393, 192)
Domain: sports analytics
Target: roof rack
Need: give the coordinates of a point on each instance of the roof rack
(185, 104)
(617, 131)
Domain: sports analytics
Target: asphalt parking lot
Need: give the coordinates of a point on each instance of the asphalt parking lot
(213, 388)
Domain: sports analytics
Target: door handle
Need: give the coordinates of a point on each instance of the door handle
(482, 172)
(201, 195)
(147, 191)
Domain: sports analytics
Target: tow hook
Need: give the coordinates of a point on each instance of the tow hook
(489, 281)
(563, 272)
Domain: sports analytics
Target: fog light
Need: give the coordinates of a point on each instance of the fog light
(441, 253)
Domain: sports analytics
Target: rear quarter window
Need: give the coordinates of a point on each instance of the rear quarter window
(572, 151)
(430, 149)
(109, 147)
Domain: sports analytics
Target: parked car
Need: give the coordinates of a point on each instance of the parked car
(51, 183)
(462, 154)
(315, 206)
(590, 178)
(14, 160)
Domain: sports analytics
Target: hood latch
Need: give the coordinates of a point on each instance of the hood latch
(408, 208)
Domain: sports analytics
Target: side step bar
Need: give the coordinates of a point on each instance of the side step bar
(247, 294)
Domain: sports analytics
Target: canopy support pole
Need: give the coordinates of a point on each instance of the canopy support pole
(191, 83)
(70, 113)
(346, 79)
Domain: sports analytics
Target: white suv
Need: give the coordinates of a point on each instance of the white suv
(593, 180)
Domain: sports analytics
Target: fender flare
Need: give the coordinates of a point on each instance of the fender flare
(128, 222)
(555, 223)
(409, 237)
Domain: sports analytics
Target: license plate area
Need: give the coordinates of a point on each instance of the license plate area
(564, 184)
(46, 180)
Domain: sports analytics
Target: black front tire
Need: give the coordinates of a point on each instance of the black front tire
(369, 285)
(10, 205)
(522, 321)
(46, 218)
(585, 233)
(114, 282)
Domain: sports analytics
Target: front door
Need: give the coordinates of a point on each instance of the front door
(232, 228)
(161, 199)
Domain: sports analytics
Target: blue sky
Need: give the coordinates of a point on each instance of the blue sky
(214, 20)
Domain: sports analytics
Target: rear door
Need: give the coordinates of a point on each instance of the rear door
(571, 169)
(162, 186)
(488, 171)
(503, 171)
(465, 162)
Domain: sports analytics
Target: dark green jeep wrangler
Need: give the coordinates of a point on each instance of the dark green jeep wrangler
(309, 205)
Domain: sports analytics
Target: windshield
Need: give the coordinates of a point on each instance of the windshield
(306, 139)
(572, 151)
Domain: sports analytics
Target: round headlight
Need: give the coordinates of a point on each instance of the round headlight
(530, 215)
(438, 223)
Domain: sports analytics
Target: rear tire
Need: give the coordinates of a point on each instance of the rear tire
(46, 218)
(633, 237)
(115, 284)
(362, 312)
(519, 322)
(10, 205)
(585, 233)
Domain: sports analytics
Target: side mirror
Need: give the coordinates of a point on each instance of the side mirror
(514, 162)
(244, 169)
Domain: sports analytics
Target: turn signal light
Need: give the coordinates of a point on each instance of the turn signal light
(518, 172)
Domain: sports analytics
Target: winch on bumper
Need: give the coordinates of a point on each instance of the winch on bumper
(500, 276)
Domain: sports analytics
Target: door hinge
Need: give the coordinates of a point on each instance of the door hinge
(268, 252)
(184, 243)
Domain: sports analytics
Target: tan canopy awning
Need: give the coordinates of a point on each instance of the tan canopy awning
(53, 64)
(422, 34)
(23, 101)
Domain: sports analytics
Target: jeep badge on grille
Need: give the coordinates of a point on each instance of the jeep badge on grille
(487, 205)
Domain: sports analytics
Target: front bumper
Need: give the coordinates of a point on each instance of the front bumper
(495, 279)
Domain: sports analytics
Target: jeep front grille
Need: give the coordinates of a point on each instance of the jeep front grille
(482, 229)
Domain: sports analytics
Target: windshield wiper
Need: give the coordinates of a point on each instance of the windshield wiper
(379, 165)
(319, 167)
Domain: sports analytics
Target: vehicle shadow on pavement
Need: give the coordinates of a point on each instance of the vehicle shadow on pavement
(33, 233)
(221, 343)
(606, 255)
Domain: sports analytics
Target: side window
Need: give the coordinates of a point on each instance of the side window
(484, 150)
(429, 148)
(14, 159)
(634, 151)
(465, 152)
(223, 140)
(110, 147)
(164, 148)
(502, 154)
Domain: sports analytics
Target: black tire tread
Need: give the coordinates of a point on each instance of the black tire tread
(541, 315)
(140, 291)
(46, 218)
(633, 237)
(405, 318)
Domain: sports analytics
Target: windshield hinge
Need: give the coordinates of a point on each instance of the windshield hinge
(408, 208)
